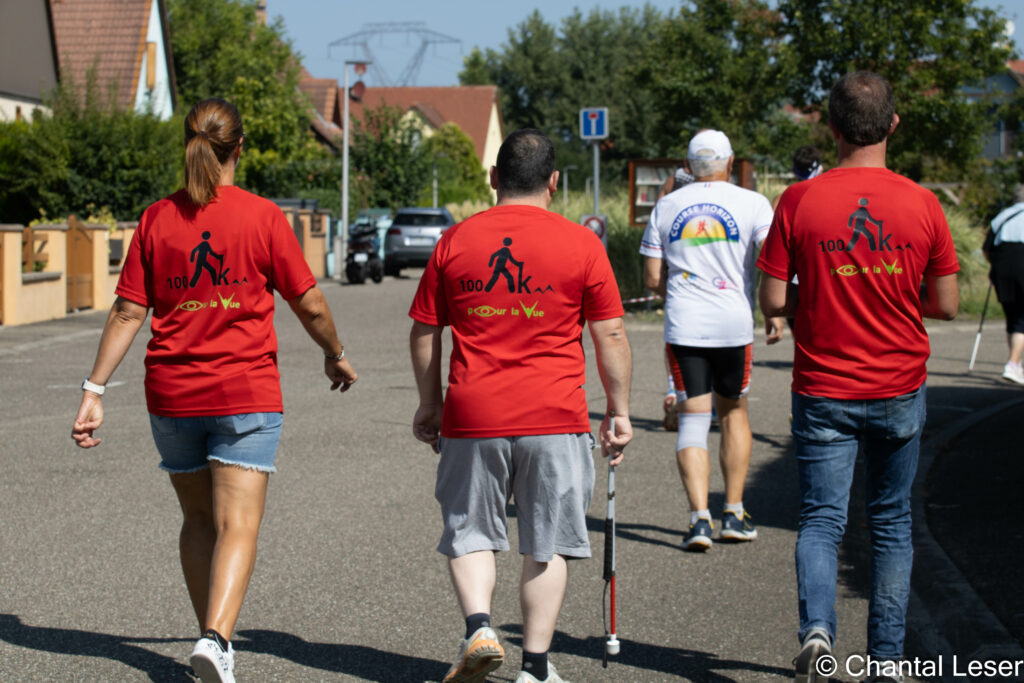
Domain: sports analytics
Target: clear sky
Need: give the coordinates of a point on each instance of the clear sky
(314, 24)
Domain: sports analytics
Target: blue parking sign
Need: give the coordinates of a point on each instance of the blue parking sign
(594, 123)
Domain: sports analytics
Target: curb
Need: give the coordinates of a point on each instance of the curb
(958, 622)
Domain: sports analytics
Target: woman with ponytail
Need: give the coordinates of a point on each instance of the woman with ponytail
(207, 260)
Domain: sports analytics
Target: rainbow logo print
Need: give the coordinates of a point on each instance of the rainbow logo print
(702, 224)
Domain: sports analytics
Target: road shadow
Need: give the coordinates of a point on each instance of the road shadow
(633, 532)
(647, 424)
(676, 661)
(63, 641)
(361, 661)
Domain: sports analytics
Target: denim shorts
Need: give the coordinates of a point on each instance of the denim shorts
(187, 444)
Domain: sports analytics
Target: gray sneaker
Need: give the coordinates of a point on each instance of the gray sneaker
(817, 644)
(553, 677)
(479, 655)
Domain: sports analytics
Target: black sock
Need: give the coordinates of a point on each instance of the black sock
(477, 621)
(217, 638)
(536, 664)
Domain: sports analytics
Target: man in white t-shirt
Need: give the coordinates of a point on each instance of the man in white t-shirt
(709, 233)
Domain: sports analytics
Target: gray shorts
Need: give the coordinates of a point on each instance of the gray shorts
(551, 477)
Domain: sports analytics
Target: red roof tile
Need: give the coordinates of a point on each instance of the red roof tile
(323, 93)
(110, 34)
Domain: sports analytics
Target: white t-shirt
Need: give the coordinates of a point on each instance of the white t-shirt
(710, 234)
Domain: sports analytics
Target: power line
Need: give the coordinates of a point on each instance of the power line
(418, 29)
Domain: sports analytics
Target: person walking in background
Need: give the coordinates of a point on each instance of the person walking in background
(1004, 248)
(514, 421)
(708, 232)
(212, 384)
(806, 165)
(859, 367)
(807, 162)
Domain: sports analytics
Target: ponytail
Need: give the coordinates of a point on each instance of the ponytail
(213, 129)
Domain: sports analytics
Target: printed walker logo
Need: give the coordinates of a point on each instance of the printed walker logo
(865, 226)
(202, 255)
(198, 256)
(702, 224)
(872, 230)
(517, 282)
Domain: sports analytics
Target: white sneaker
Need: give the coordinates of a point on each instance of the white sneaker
(212, 664)
(1013, 372)
(553, 677)
(479, 655)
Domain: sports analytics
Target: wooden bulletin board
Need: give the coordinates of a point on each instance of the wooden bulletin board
(646, 177)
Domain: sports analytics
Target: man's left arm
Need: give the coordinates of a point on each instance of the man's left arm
(940, 296)
(425, 349)
(615, 365)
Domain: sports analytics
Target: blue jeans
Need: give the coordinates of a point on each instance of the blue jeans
(827, 435)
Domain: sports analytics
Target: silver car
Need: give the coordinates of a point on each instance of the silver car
(412, 236)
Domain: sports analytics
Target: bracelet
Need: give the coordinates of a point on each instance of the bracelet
(333, 357)
(97, 389)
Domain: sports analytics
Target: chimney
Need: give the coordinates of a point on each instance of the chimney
(261, 13)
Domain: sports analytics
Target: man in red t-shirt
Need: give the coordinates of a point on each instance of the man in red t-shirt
(516, 284)
(873, 255)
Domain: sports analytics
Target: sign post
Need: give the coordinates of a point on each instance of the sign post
(594, 127)
(598, 224)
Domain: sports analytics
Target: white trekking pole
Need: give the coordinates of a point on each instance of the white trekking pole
(977, 339)
(611, 646)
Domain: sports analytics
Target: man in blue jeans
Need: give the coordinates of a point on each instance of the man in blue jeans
(873, 255)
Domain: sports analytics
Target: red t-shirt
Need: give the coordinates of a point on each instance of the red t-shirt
(209, 276)
(860, 240)
(516, 284)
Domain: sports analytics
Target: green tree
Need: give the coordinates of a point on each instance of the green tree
(86, 155)
(719, 65)
(929, 51)
(460, 177)
(475, 70)
(546, 75)
(387, 155)
(221, 49)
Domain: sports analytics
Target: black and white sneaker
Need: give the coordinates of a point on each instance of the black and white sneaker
(817, 645)
(211, 663)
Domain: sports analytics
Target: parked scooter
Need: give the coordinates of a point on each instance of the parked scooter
(363, 254)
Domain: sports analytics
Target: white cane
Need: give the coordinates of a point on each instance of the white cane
(977, 339)
(611, 646)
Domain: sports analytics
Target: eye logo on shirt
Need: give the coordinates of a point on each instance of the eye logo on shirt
(702, 224)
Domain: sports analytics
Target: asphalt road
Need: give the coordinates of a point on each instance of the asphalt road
(348, 585)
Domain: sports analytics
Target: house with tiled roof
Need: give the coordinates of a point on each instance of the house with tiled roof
(29, 56)
(126, 41)
(999, 142)
(475, 109)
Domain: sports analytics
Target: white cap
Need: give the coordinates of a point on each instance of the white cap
(713, 141)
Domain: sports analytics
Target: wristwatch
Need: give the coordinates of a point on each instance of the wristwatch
(335, 357)
(93, 387)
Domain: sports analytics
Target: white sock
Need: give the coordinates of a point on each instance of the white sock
(697, 514)
(736, 508)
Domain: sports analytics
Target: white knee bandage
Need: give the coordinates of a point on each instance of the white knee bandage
(693, 430)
